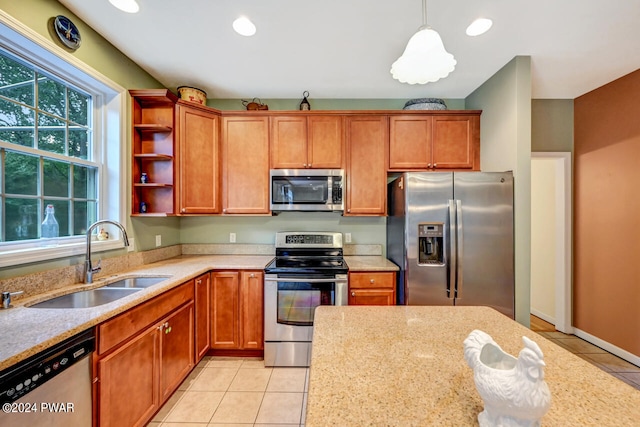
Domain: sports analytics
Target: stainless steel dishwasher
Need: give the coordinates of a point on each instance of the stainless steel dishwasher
(51, 388)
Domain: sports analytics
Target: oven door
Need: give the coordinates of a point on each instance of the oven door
(290, 304)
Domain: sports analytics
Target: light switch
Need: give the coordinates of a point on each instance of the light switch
(347, 237)
(158, 240)
(232, 237)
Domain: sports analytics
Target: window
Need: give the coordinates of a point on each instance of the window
(46, 158)
(57, 118)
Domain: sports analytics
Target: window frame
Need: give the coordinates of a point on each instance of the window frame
(109, 111)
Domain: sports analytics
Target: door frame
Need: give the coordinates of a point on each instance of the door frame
(563, 225)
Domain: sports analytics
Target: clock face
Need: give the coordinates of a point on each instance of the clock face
(67, 32)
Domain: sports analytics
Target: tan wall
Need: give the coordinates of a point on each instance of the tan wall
(607, 206)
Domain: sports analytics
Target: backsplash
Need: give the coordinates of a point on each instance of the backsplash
(51, 280)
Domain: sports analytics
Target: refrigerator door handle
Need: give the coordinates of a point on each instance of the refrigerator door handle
(453, 251)
(460, 247)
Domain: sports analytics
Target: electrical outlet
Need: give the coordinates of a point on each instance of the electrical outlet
(232, 237)
(132, 245)
(158, 240)
(347, 237)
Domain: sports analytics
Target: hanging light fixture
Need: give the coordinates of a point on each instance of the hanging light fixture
(129, 6)
(424, 59)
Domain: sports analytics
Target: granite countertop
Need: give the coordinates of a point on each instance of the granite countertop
(369, 263)
(406, 368)
(26, 331)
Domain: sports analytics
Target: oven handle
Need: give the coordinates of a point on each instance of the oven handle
(301, 279)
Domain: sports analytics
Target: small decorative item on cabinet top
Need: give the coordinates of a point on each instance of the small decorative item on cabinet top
(192, 94)
(144, 178)
(304, 105)
(256, 104)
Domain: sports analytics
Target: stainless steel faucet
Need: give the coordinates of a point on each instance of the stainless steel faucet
(6, 298)
(88, 267)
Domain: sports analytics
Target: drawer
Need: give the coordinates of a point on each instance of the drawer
(124, 326)
(369, 280)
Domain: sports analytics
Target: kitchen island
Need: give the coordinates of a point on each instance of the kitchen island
(404, 366)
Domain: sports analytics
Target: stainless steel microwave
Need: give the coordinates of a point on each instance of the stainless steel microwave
(314, 190)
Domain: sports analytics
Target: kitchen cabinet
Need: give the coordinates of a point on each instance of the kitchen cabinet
(367, 142)
(432, 141)
(372, 288)
(306, 141)
(202, 293)
(245, 157)
(237, 310)
(145, 352)
(198, 148)
(153, 152)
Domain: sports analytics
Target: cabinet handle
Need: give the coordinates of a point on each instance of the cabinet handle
(198, 281)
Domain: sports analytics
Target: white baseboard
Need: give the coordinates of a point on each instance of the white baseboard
(623, 354)
(543, 316)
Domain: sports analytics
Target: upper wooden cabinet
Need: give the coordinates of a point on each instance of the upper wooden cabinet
(198, 159)
(430, 141)
(245, 168)
(302, 141)
(367, 138)
(153, 152)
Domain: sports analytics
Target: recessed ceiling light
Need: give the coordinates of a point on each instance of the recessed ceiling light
(479, 26)
(129, 6)
(244, 26)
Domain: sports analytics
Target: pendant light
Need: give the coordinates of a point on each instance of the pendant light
(425, 59)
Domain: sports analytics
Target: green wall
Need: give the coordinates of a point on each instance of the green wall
(505, 101)
(328, 104)
(552, 125)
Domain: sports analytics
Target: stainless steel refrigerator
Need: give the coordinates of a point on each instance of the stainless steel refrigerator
(451, 233)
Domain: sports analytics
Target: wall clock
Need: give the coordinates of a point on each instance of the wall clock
(67, 32)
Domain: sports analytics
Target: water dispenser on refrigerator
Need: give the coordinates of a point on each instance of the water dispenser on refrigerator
(430, 243)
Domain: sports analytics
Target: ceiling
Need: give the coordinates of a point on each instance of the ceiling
(344, 49)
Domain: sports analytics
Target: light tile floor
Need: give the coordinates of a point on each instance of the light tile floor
(223, 392)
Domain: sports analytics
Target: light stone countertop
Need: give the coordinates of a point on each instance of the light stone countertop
(26, 331)
(404, 366)
(369, 263)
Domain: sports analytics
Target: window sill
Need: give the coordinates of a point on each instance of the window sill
(13, 257)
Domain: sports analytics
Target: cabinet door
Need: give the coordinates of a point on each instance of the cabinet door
(288, 142)
(245, 155)
(198, 150)
(324, 142)
(202, 315)
(410, 142)
(176, 349)
(225, 331)
(371, 297)
(367, 138)
(456, 142)
(128, 385)
(251, 310)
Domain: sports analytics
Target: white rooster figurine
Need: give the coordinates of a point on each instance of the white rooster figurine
(513, 390)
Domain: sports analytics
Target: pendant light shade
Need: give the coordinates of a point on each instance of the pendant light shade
(424, 59)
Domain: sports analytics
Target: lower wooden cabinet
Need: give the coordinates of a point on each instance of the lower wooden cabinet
(142, 357)
(202, 288)
(372, 288)
(237, 310)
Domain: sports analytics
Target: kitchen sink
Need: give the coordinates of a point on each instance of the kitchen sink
(85, 299)
(103, 295)
(136, 282)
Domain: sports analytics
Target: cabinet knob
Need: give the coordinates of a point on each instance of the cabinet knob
(428, 165)
(353, 294)
(435, 165)
(372, 281)
(198, 281)
(252, 275)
